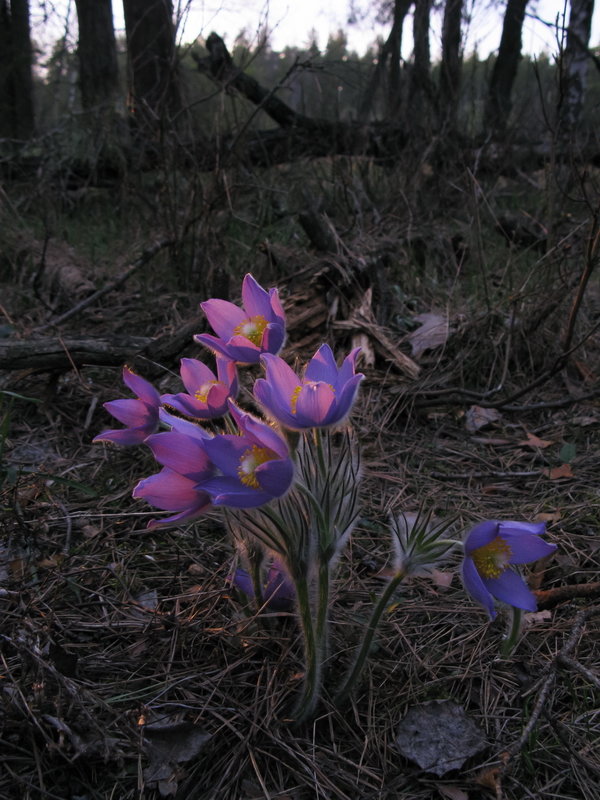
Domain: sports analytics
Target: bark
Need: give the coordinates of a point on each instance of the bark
(153, 75)
(574, 64)
(451, 65)
(97, 52)
(498, 103)
(16, 77)
(421, 94)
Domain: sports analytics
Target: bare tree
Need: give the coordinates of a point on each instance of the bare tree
(574, 64)
(421, 90)
(498, 103)
(97, 53)
(451, 66)
(16, 78)
(388, 65)
(153, 78)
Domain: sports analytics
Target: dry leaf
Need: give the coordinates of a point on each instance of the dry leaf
(439, 736)
(367, 353)
(586, 373)
(442, 579)
(585, 421)
(478, 417)
(533, 617)
(490, 778)
(552, 516)
(433, 332)
(534, 441)
(452, 792)
(168, 744)
(564, 471)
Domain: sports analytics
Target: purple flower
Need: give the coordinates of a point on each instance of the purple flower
(207, 394)
(324, 396)
(244, 334)
(170, 491)
(490, 548)
(256, 465)
(139, 416)
(278, 590)
(180, 485)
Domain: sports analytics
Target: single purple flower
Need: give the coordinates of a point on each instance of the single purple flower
(183, 451)
(170, 491)
(490, 548)
(256, 465)
(323, 397)
(278, 590)
(207, 394)
(139, 416)
(244, 334)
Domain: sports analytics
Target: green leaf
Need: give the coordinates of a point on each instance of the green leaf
(567, 453)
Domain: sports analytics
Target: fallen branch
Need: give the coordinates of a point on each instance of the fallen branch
(144, 258)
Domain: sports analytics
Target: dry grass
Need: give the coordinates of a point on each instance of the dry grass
(109, 629)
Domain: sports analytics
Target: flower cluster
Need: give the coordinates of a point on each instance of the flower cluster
(288, 482)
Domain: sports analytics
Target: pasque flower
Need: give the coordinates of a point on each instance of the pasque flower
(244, 334)
(323, 397)
(256, 464)
(206, 394)
(491, 548)
(139, 416)
(278, 591)
(179, 486)
(170, 491)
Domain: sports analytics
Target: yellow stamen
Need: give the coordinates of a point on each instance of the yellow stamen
(294, 398)
(252, 328)
(250, 460)
(492, 559)
(201, 394)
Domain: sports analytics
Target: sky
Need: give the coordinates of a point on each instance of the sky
(291, 22)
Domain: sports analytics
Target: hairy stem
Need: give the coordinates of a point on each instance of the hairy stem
(312, 676)
(363, 650)
(514, 631)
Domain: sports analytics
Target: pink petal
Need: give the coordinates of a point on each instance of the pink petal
(141, 387)
(256, 299)
(314, 403)
(223, 317)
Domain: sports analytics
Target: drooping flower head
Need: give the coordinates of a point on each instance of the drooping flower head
(490, 550)
(170, 491)
(179, 486)
(278, 592)
(139, 416)
(244, 334)
(323, 397)
(206, 395)
(256, 465)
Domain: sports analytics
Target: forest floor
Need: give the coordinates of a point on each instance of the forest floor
(129, 667)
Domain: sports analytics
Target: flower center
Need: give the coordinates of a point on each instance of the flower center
(201, 394)
(252, 328)
(492, 559)
(250, 460)
(298, 389)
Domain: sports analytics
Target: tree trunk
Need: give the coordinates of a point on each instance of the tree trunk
(451, 65)
(498, 104)
(97, 52)
(153, 76)
(574, 64)
(16, 77)
(391, 50)
(421, 94)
